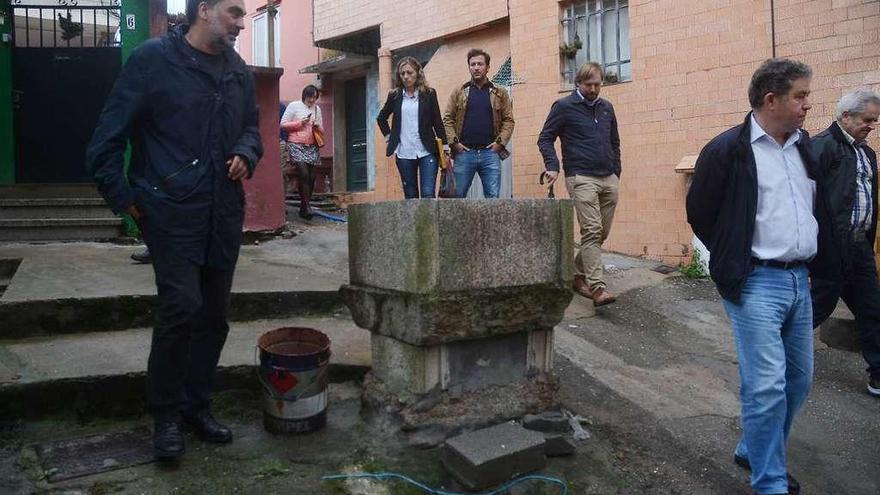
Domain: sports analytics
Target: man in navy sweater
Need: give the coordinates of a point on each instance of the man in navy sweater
(587, 127)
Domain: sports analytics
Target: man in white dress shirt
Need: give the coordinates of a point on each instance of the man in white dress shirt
(752, 204)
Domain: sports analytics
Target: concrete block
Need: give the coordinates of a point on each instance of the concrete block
(428, 246)
(549, 421)
(427, 319)
(491, 456)
(556, 445)
(463, 366)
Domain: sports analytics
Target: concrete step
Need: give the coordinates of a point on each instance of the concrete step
(102, 373)
(73, 287)
(59, 229)
(58, 208)
(46, 317)
(49, 191)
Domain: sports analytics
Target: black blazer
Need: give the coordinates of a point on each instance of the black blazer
(430, 120)
(837, 166)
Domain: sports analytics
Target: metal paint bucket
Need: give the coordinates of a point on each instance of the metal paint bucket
(294, 374)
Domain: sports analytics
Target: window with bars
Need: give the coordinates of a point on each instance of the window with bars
(598, 31)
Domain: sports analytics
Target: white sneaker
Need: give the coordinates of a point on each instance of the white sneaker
(874, 386)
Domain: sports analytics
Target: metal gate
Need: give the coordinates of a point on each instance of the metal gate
(65, 58)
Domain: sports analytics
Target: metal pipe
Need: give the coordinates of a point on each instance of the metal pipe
(773, 28)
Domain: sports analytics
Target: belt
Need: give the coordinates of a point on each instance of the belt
(785, 265)
(475, 146)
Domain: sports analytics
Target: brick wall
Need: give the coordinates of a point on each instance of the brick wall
(404, 23)
(691, 65)
(691, 69)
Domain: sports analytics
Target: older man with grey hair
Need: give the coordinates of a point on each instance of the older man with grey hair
(849, 168)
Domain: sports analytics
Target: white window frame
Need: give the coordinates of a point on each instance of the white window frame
(259, 48)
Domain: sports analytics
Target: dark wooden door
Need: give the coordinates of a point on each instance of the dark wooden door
(356, 134)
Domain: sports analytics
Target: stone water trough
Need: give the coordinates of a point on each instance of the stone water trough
(460, 298)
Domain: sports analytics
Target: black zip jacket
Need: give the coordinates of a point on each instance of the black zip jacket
(590, 142)
(183, 125)
(430, 120)
(837, 166)
(723, 200)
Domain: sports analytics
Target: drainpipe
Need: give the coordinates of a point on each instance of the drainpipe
(773, 28)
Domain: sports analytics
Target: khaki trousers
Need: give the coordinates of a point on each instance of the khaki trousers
(595, 199)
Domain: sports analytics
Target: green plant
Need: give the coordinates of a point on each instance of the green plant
(569, 50)
(695, 268)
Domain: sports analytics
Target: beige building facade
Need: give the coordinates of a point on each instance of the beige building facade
(680, 71)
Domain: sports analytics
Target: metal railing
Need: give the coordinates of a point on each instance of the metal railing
(66, 24)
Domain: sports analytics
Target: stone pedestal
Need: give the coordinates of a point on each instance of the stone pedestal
(461, 298)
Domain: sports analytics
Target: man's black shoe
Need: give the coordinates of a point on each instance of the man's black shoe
(167, 440)
(142, 256)
(207, 428)
(874, 386)
(794, 488)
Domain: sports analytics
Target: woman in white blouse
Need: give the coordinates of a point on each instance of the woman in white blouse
(415, 125)
(300, 121)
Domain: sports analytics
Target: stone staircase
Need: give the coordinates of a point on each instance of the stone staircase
(55, 212)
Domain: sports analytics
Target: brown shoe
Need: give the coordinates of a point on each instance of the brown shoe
(601, 297)
(580, 286)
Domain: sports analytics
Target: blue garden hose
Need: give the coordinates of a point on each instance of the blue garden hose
(431, 491)
(328, 216)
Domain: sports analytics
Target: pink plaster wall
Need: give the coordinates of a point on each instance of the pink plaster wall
(297, 46)
(264, 192)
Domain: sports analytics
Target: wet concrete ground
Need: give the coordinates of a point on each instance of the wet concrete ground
(665, 349)
(655, 372)
(258, 462)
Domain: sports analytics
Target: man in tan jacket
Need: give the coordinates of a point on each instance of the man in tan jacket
(479, 123)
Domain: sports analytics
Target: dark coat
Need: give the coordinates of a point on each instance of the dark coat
(723, 200)
(430, 120)
(837, 165)
(590, 141)
(183, 126)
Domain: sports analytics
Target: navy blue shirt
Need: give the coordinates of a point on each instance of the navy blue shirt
(588, 131)
(477, 128)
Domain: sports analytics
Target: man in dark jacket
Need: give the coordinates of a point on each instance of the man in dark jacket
(587, 127)
(849, 170)
(186, 103)
(752, 204)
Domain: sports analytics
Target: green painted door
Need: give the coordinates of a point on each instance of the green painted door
(356, 134)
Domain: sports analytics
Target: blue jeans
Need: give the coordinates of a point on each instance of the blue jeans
(773, 330)
(417, 175)
(481, 161)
